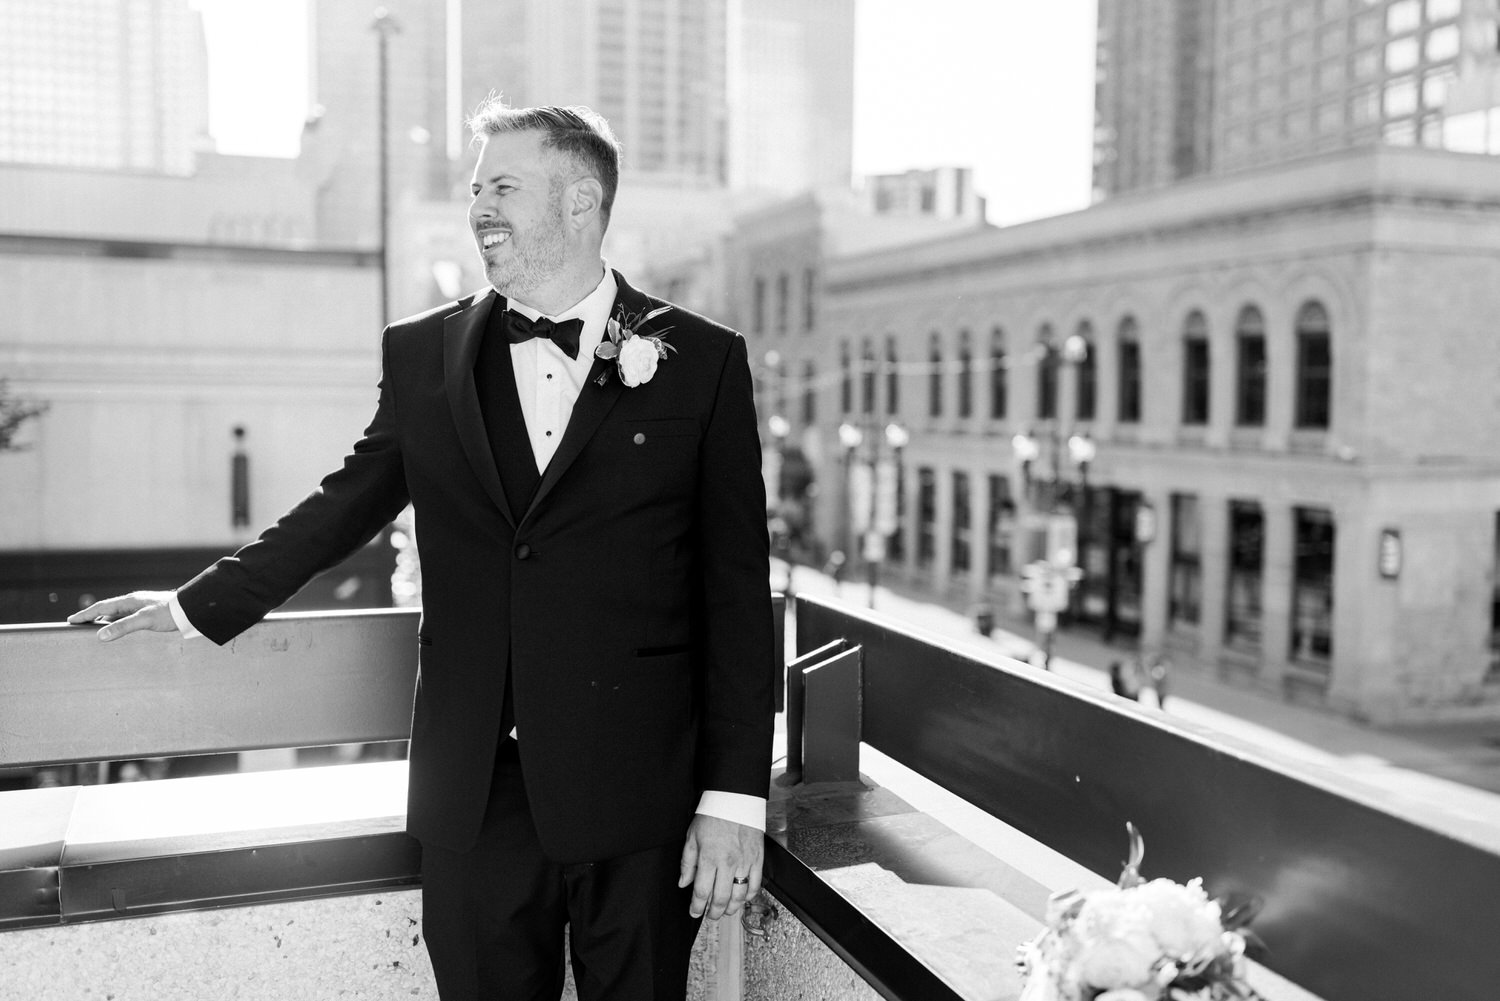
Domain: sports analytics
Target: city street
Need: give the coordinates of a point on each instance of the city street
(1445, 776)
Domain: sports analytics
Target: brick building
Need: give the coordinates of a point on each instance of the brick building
(1288, 379)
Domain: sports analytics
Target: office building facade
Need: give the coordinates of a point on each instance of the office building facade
(1190, 87)
(103, 85)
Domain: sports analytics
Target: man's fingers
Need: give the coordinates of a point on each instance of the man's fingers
(129, 613)
(689, 867)
(705, 896)
(129, 624)
(120, 606)
(109, 608)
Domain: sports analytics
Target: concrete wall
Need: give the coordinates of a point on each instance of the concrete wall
(149, 364)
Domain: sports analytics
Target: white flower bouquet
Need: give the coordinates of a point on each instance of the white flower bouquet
(1139, 941)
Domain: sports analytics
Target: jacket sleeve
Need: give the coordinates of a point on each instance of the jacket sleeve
(738, 639)
(347, 510)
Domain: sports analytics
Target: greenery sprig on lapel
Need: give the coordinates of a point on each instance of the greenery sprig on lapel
(634, 351)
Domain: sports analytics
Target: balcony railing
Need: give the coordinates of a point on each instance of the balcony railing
(1359, 901)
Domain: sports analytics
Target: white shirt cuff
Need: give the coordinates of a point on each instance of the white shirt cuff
(184, 625)
(735, 807)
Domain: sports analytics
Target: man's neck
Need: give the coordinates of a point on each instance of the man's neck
(565, 291)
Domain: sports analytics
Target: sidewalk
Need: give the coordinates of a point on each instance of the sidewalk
(1447, 776)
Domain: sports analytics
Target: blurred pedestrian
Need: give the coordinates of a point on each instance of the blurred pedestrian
(835, 569)
(1159, 673)
(1125, 678)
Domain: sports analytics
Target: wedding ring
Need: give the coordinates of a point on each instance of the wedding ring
(741, 881)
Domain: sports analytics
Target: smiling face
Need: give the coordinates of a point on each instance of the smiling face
(518, 216)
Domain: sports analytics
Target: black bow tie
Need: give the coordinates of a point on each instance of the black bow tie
(519, 329)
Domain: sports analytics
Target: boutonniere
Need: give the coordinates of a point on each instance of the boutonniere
(634, 352)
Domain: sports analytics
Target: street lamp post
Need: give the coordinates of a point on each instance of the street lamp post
(872, 477)
(384, 26)
(1048, 582)
(780, 524)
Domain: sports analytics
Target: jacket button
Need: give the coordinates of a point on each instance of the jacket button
(523, 551)
(639, 439)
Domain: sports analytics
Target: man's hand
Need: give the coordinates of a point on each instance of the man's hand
(129, 613)
(716, 853)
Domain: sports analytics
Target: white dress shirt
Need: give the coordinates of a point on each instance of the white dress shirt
(548, 383)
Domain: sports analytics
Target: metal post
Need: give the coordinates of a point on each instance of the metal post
(384, 26)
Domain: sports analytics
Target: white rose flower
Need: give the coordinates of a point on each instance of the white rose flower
(638, 358)
(1184, 921)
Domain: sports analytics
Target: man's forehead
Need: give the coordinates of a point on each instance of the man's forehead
(514, 152)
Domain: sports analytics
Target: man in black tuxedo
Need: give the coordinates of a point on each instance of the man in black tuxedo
(591, 736)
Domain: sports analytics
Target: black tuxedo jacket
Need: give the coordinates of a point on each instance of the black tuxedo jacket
(628, 600)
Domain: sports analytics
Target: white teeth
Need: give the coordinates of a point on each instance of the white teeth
(492, 238)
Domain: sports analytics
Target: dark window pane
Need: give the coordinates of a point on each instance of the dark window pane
(809, 394)
(1314, 380)
(1250, 401)
(926, 516)
(1088, 375)
(783, 304)
(1195, 373)
(965, 376)
(997, 374)
(892, 378)
(1185, 574)
(1312, 587)
(961, 523)
(1046, 374)
(846, 380)
(1129, 373)
(1001, 522)
(867, 378)
(1247, 542)
(935, 378)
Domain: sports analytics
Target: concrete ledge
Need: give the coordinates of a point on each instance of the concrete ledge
(92, 852)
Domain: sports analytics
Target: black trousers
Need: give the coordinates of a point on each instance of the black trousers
(494, 916)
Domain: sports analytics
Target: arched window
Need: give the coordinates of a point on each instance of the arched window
(1250, 368)
(1195, 369)
(892, 377)
(1314, 367)
(846, 380)
(867, 377)
(935, 376)
(1129, 373)
(1046, 374)
(809, 394)
(997, 374)
(1086, 386)
(965, 375)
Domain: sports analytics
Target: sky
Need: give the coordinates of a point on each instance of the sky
(1003, 86)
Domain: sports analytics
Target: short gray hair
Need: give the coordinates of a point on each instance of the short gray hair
(580, 133)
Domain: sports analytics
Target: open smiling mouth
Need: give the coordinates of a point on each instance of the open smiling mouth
(493, 238)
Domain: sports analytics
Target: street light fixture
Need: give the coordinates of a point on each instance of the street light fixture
(1047, 582)
(872, 478)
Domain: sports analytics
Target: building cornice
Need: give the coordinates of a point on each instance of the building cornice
(1349, 183)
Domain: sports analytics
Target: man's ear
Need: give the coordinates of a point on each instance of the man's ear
(586, 201)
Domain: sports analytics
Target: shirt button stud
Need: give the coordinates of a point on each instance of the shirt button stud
(639, 439)
(523, 551)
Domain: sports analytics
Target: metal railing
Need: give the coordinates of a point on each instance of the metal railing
(1359, 902)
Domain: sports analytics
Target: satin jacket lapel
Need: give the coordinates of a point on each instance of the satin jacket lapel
(594, 401)
(462, 333)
